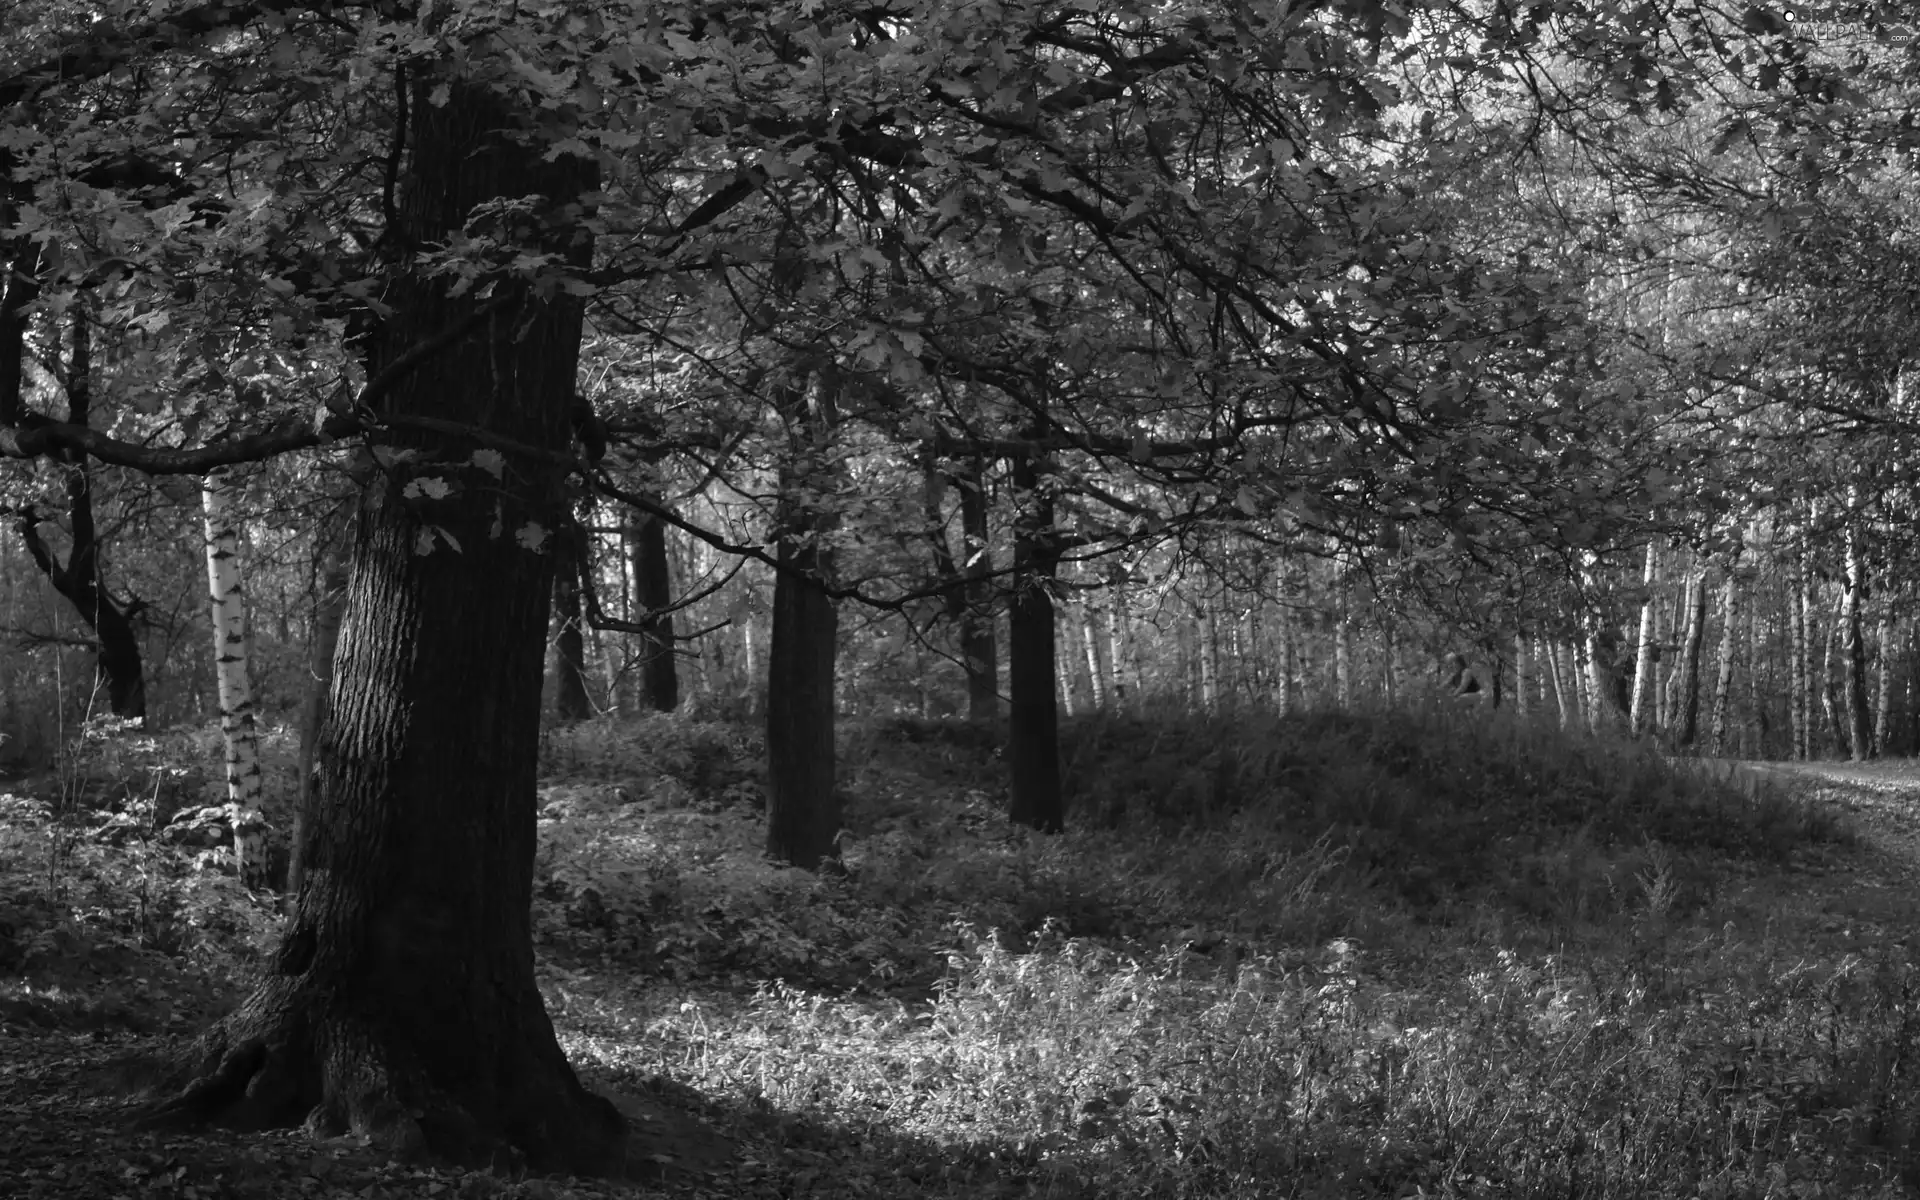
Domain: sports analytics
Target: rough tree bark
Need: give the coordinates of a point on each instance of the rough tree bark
(328, 605)
(1603, 681)
(227, 596)
(401, 1004)
(803, 809)
(1033, 732)
(117, 662)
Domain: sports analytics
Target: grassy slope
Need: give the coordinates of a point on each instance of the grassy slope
(1338, 956)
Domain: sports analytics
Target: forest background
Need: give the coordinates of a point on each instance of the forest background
(984, 362)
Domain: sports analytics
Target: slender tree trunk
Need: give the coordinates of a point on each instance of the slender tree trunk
(1883, 692)
(1207, 648)
(322, 638)
(1097, 680)
(1063, 670)
(749, 666)
(1723, 664)
(1756, 732)
(401, 1005)
(1521, 677)
(570, 699)
(1126, 671)
(1854, 652)
(653, 594)
(228, 599)
(1800, 710)
(1342, 642)
(1283, 652)
(1832, 703)
(1637, 714)
(1033, 733)
(1550, 655)
(803, 808)
(978, 652)
(1687, 703)
(117, 662)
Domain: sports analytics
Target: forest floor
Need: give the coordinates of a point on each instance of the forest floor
(1338, 957)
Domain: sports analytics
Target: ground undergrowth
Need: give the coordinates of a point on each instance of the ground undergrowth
(1336, 956)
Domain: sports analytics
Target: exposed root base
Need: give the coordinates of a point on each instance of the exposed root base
(243, 1077)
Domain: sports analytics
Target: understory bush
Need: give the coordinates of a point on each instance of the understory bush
(1359, 955)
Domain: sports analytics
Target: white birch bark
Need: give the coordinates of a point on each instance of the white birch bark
(229, 609)
(1643, 652)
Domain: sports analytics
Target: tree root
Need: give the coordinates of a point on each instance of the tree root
(348, 1081)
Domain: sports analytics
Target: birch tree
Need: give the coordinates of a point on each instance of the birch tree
(227, 596)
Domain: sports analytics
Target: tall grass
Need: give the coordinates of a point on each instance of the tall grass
(1340, 955)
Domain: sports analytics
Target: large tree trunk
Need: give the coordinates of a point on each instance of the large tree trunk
(322, 639)
(117, 664)
(1603, 680)
(1033, 732)
(653, 592)
(401, 1005)
(570, 699)
(803, 810)
(229, 604)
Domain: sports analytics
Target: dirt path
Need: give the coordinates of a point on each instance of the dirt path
(1858, 896)
(1880, 801)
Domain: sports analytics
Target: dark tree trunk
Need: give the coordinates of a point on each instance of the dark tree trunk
(803, 810)
(117, 666)
(328, 606)
(653, 585)
(570, 699)
(1033, 729)
(401, 1005)
(963, 582)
